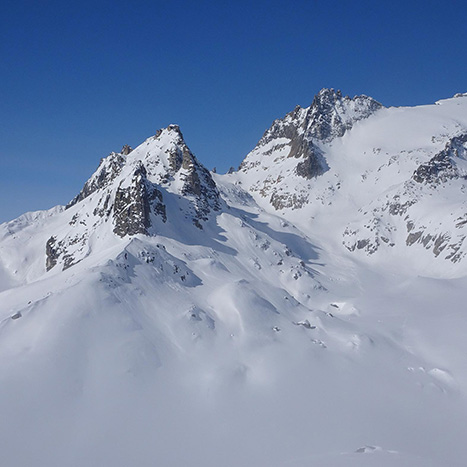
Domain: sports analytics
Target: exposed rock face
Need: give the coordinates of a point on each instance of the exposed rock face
(328, 117)
(129, 190)
(294, 201)
(331, 114)
(300, 136)
(109, 168)
(60, 251)
(51, 253)
(202, 187)
(443, 166)
(196, 181)
(398, 211)
(312, 162)
(133, 205)
(126, 150)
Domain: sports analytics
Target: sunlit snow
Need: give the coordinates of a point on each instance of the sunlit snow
(260, 339)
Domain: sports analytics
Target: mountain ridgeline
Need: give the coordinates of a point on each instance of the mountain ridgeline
(305, 162)
(129, 191)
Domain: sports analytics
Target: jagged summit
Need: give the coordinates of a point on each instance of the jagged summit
(130, 190)
(329, 116)
(164, 159)
(173, 127)
(126, 150)
(315, 160)
(391, 167)
(293, 146)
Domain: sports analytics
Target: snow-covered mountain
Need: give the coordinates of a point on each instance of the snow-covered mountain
(304, 310)
(290, 153)
(396, 180)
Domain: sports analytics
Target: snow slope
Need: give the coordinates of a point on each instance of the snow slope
(179, 317)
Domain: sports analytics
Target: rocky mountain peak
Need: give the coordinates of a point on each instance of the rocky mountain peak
(327, 95)
(328, 117)
(174, 127)
(301, 136)
(126, 150)
(130, 190)
(331, 115)
(171, 131)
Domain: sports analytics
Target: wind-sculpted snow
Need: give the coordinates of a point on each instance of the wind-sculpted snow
(306, 310)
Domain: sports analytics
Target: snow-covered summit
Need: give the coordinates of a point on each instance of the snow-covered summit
(164, 159)
(291, 150)
(329, 116)
(145, 190)
(373, 177)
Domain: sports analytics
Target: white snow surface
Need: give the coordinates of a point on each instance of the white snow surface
(261, 339)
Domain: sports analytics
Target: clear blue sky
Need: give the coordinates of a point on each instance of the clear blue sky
(80, 79)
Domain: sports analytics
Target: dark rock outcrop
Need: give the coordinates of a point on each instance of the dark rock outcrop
(58, 250)
(126, 150)
(197, 182)
(133, 205)
(312, 162)
(443, 166)
(51, 253)
(108, 170)
(329, 116)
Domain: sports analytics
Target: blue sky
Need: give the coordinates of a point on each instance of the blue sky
(80, 79)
